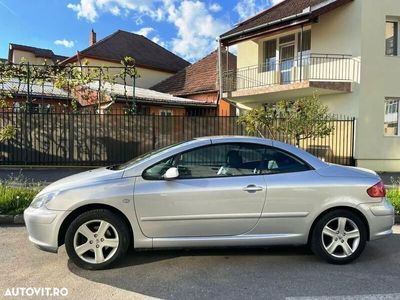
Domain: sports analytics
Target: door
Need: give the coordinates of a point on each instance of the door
(287, 53)
(219, 191)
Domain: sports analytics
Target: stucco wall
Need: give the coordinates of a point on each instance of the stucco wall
(29, 57)
(380, 77)
(147, 79)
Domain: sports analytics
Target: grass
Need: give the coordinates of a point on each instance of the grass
(393, 194)
(16, 194)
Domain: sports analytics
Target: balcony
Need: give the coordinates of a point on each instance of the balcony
(299, 76)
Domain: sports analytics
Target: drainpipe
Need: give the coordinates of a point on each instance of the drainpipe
(219, 70)
(301, 52)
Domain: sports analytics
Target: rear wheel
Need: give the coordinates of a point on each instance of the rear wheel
(96, 239)
(339, 237)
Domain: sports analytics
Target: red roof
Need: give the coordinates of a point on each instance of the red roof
(201, 77)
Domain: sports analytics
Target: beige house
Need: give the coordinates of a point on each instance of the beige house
(153, 62)
(347, 51)
(33, 55)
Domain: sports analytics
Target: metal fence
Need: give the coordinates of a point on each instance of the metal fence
(89, 139)
(313, 67)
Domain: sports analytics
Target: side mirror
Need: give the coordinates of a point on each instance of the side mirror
(171, 173)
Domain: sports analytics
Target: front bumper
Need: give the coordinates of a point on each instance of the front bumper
(380, 217)
(43, 226)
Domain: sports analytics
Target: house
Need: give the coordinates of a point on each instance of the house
(199, 81)
(153, 62)
(345, 50)
(33, 55)
(148, 102)
(47, 97)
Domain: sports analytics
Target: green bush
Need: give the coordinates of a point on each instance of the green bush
(393, 195)
(16, 194)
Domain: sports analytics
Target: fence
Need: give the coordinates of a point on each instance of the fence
(89, 139)
(314, 67)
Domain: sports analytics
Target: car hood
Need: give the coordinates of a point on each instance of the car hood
(333, 170)
(82, 179)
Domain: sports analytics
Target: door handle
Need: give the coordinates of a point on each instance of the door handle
(252, 188)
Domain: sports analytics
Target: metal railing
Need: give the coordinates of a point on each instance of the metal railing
(87, 139)
(307, 67)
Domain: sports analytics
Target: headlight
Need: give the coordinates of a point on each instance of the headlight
(42, 200)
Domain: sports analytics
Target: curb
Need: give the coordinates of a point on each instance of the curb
(12, 220)
(19, 219)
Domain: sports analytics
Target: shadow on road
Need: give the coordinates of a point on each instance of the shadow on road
(234, 273)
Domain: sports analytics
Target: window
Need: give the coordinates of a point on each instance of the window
(392, 38)
(304, 43)
(392, 117)
(226, 160)
(270, 55)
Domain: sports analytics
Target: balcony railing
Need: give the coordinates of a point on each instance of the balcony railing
(311, 67)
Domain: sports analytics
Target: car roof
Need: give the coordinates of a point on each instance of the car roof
(235, 137)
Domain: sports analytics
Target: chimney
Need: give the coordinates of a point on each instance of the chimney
(92, 38)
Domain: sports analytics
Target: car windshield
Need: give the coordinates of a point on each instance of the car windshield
(142, 157)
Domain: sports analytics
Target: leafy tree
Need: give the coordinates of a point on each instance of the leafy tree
(294, 120)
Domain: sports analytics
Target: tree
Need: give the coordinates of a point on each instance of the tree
(294, 120)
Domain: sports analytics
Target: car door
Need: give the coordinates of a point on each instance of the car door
(219, 191)
(294, 189)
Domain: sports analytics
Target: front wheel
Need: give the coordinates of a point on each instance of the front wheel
(339, 237)
(96, 239)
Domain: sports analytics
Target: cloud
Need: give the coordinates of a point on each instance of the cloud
(65, 43)
(215, 7)
(197, 29)
(145, 31)
(248, 8)
(90, 9)
(196, 26)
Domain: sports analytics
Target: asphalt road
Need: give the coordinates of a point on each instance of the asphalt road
(246, 273)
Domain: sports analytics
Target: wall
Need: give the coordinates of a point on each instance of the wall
(30, 57)
(380, 78)
(147, 78)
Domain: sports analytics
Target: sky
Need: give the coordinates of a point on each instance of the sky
(188, 28)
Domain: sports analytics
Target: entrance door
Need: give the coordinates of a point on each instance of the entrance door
(287, 63)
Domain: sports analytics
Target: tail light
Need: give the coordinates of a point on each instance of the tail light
(377, 190)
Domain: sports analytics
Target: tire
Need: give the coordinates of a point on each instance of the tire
(337, 243)
(96, 239)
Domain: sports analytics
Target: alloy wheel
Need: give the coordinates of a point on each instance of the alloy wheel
(340, 237)
(96, 241)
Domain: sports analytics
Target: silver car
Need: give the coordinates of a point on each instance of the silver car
(211, 192)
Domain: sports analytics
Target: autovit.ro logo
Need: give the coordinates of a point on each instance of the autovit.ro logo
(36, 292)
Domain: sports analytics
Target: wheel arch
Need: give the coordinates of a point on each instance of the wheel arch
(78, 211)
(348, 208)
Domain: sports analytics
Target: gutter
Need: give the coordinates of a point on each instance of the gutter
(306, 13)
(276, 22)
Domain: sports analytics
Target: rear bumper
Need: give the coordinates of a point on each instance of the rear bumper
(380, 217)
(43, 226)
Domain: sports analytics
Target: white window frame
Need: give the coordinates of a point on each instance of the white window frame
(387, 112)
(278, 45)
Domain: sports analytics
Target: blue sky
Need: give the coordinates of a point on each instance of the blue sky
(187, 28)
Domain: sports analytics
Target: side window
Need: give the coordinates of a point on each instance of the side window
(225, 160)
(277, 161)
(220, 160)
